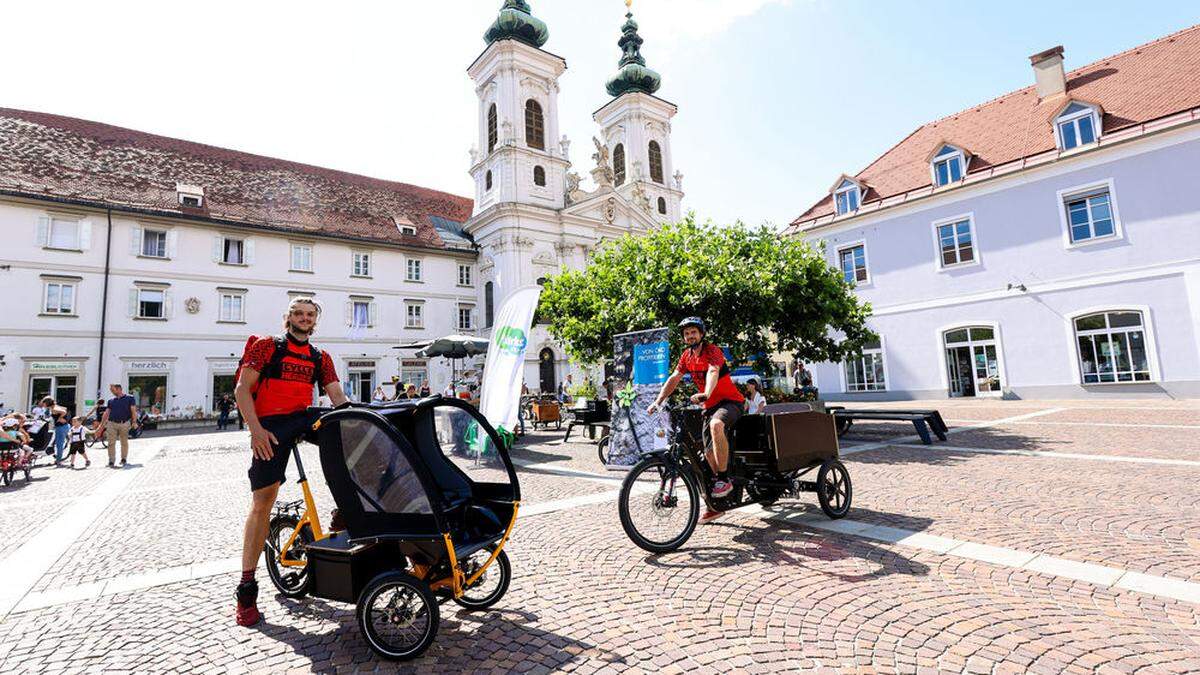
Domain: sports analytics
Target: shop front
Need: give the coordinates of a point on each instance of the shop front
(61, 380)
(222, 380)
(150, 382)
(361, 379)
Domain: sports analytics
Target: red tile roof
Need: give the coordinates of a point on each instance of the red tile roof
(76, 160)
(1142, 84)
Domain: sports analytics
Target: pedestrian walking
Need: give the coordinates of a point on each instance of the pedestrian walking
(62, 426)
(78, 438)
(120, 417)
(224, 406)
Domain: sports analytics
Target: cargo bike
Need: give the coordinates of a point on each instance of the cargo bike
(418, 530)
(770, 455)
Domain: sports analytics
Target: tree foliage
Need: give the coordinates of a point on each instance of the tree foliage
(758, 293)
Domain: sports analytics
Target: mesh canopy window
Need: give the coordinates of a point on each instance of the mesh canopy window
(381, 470)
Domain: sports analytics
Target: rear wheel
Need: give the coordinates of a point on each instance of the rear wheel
(398, 615)
(833, 489)
(292, 582)
(659, 505)
(602, 450)
(491, 586)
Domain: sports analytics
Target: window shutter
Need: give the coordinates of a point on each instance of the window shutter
(218, 244)
(43, 232)
(168, 307)
(349, 312)
(133, 302)
(374, 314)
(85, 235)
(172, 243)
(248, 251)
(135, 241)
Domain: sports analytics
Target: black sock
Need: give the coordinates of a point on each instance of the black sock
(248, 575)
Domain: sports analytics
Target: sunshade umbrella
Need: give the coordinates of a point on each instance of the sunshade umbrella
(452, 347)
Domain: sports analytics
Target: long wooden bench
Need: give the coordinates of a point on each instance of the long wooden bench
(923, 421)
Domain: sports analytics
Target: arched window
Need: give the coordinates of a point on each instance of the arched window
(535, 136)
(489, 301)
(662, 205)
(539, 176)
(487, 181)
(619, 164)
(656, 173)
(491, 122)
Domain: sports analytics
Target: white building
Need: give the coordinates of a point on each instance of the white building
(1044, 244)
(147, 261)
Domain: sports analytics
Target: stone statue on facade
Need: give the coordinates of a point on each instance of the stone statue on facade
(603, 173)
(573, 193)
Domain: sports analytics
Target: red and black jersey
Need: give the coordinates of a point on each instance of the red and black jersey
(286, 384)
(696, 362)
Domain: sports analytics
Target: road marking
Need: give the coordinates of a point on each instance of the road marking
(24, 567)
(1057, 455)
(957, 430)
(1101, 424)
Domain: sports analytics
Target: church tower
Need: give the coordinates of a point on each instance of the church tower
(636, 128)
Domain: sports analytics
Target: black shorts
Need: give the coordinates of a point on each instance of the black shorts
(728, 412)
(287, 429)
(77, 448)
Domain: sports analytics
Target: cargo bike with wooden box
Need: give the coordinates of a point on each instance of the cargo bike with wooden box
(771, 454)
(419, 526)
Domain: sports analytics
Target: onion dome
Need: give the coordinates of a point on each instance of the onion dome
(517, 23)
(633, 74)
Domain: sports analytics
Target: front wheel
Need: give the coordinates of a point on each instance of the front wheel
(398, 615)
(833, 489)
(602, 450)
(659, 505)
(491, 585)
(293, 582)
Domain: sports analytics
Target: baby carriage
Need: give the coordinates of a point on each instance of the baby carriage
(418, 529)
(13, 459)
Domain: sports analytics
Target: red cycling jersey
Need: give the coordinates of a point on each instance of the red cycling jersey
(696, 362)
(292, 391)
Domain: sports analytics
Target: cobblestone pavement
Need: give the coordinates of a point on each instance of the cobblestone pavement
(145, 585)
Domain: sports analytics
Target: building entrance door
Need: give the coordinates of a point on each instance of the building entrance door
(972, 362)
(61, 388)
(547, 382)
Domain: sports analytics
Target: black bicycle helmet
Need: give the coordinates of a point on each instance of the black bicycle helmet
(693, 321)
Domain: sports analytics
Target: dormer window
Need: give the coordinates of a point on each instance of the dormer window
(1078, 124)
(948, 165)
(191, 196)
(404, 226)
(847, 197)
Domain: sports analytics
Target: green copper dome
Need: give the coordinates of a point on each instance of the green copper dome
(517, 23)
(633, 75)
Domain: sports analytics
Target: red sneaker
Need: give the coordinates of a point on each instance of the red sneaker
(247, 603)
(710, 516)
(248, 616)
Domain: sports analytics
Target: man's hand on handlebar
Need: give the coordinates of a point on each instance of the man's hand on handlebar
(699, 397)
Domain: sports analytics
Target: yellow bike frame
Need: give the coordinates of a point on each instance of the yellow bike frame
(310, 518)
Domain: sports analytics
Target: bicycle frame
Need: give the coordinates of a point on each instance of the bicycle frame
(309, 517)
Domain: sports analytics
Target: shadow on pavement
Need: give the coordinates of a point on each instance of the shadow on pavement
(937, 454)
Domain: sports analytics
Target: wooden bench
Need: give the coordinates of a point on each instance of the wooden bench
(923, 421)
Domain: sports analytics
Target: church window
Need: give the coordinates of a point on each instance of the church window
(618, 159)
(535, 136)
(539, 176)
(487, 181)
(656, 169)
(662, 205)
(491, 129)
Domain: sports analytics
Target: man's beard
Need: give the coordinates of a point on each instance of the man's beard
(296, 330)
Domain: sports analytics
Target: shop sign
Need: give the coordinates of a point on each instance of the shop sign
(225, 365)
(149, 365)
(361, 364)
(409, 363)
(52, 366)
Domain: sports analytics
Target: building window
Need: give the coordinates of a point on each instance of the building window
(1112, 347)
(233, 307)
(865, 372)
(656, 167)
(360, 313)
(618, 159)
(853, 262)
(59, 298)
(154, 243)
(465, 321)
(947, 166)
(846, 197)
(151, 303)
(1090, 215)
(361, 264)
(412, 269)
(956, 245)
(414, 316)
(1076, 126)
(491, 128)
(489, 303)
(233, 251)
(302, 258)
(62, 233)
(464, 275)
(535, 136)
(662, 205)
(539, 176)
(487, 181)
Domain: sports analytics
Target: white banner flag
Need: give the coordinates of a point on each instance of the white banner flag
(504, 370)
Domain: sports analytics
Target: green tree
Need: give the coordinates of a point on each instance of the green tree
(758, 293)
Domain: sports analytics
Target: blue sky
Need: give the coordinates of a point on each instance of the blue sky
(776, 97)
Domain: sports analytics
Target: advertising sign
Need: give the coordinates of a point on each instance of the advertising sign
(504, 369)
(641, 363)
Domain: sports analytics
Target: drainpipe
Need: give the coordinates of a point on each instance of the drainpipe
(104, 309)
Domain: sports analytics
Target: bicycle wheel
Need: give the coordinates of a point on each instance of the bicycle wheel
(292, 582)
(398, 615)
(491, 586)
(602, 450)
(834, 491)
(659, 505)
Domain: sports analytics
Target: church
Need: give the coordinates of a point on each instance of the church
(146, 261)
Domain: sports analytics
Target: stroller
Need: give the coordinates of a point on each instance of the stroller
(13, 459)
(419, 530)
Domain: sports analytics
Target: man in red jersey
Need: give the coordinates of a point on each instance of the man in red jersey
(273, 391)
(705, 362)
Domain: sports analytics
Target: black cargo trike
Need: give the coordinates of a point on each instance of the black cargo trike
(770, 453)
(425, 521)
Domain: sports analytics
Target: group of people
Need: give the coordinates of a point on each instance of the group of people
(113, 418)
(403, 391)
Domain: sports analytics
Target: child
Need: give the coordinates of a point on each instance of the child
(77, 435)
(10, 430)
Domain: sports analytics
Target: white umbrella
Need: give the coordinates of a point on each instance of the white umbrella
(452, 347)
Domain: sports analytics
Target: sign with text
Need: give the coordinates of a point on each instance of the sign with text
(641, 363)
